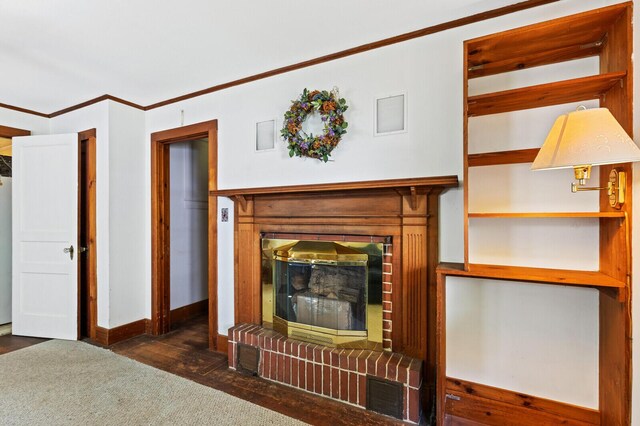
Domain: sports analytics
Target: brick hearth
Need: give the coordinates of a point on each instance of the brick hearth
(335, 373)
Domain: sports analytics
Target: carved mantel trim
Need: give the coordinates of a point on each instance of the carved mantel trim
(440, 181)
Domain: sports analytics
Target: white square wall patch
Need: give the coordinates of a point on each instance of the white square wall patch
(265, 135)
(390, 114)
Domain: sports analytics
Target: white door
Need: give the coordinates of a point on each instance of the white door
(45, 236)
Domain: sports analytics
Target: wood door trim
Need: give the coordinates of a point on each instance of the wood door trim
(160, 259)
(460, 22)
(92, 255)
(9, 132)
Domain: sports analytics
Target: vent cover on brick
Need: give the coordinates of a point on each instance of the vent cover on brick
(248, 359)
(384, 396)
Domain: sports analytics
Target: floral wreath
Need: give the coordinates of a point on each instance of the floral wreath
(331, 109)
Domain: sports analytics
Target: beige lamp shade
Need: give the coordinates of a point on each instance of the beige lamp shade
(588, 137)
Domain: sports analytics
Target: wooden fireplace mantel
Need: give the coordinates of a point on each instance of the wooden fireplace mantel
(441, 181)
(403, 210)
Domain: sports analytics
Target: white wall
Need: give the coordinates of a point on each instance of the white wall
(35, 124)
(120, 209)
(189, 176)
(127, 221)
(430, 70)
(542, 328)
(95, 116)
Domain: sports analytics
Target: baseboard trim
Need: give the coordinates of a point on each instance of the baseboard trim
(110, 336)
(495, 406)
(5, 329)
(189, 311)
(221, 343)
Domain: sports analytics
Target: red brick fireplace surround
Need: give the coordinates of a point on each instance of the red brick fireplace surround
(336, 373)
(406, 211)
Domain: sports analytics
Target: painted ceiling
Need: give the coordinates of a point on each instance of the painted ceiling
(55, 54)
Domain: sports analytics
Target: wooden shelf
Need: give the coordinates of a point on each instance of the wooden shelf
(565, 39)
(443, 181)
(560, 92)
(566, 53)
(503, 157)
(536, 275)
(602, 215)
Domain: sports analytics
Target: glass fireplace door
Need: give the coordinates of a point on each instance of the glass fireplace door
(320, 292)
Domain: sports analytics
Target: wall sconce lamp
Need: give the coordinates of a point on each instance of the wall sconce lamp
(585, 138)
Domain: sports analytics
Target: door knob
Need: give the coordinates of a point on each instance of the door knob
(69, 250)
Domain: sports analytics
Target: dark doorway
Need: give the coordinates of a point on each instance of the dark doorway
(161, 316)
(87, 262)
(188, 224)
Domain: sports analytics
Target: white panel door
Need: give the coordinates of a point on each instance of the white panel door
(45, 236)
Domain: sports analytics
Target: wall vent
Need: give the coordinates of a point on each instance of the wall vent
(384, 397)
(248, 359)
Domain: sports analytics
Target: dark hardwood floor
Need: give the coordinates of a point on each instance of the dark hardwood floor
(10, 343)
(184, 352)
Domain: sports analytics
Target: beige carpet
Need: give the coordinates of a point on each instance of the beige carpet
(73, 383)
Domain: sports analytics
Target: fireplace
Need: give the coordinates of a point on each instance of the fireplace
(401, 216)
(324, 292)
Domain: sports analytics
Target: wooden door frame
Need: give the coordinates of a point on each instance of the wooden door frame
(9, 132)
(160, 224)
(92, 255)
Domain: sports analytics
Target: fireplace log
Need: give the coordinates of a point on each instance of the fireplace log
(323, 312)
(347, 283)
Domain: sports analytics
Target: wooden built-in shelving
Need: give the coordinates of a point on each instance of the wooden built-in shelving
(568, 215)
(577, 36)
(605, 33)
(502, 157)
(556, 93)
(527, 274)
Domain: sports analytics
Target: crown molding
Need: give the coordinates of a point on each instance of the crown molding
(24, 110)
(95, 101)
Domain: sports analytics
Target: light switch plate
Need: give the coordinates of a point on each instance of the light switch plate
(224, 213)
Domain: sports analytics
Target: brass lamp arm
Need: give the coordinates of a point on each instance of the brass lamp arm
(577, 188)
(616, 187)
